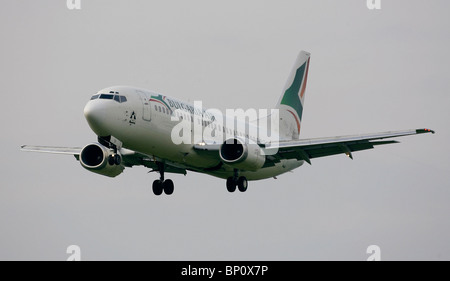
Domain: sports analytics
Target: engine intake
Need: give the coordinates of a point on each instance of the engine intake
(232, 151)
(243, 155)
(92, 156)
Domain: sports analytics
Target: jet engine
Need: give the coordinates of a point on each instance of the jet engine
(101, 160)
(243, 155)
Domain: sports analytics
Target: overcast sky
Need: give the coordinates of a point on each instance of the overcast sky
(371, 71)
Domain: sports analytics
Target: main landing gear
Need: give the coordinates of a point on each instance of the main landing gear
(162, 185)
(115, 158)
(240, 182)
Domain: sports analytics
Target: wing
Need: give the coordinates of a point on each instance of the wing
(313, 148)
(75, 151)
(129, 157)
(52, 149)
(132, 158)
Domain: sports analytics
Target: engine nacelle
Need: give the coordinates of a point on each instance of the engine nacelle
(241, 155)
(101, 160)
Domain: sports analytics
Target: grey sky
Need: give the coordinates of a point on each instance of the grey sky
(370, 71)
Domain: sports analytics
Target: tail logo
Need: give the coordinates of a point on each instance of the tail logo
(296, 91)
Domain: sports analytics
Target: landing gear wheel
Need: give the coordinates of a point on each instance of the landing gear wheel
(231, 184)
(117, 159)
(114, 159)
(168, 187)
(157, 187)
(242, 184)
(111, 160)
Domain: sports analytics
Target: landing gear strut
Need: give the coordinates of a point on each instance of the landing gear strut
(240, 182)
(162, 185)
(115, 158)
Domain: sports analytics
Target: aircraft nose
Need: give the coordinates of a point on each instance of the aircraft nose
(96, 116)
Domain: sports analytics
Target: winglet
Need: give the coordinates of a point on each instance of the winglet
(424, 131)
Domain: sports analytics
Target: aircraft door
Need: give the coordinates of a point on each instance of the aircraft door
(146, 105)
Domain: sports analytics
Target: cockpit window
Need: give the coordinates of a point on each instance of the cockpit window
(116, 97)
(106, 97)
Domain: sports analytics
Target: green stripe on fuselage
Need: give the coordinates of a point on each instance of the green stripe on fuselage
(160, 98)
(292, 95)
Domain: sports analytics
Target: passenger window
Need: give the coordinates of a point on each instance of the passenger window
(159, 107)
(156, 108)
(164, 110)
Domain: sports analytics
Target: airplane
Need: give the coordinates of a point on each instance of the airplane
(135, 128)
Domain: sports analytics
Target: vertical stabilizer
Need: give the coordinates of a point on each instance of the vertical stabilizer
(291, 101)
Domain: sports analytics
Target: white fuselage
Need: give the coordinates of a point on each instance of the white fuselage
(142, 121)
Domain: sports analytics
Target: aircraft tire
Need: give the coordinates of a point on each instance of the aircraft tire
(117, 159)
(231, 184)
(157, 187)
(111, 160)
(168, 187)
(242, 184)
